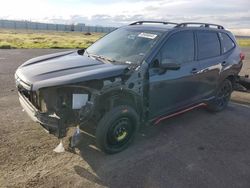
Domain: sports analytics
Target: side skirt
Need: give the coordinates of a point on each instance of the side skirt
(159, 119)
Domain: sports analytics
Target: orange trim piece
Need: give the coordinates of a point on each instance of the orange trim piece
(178, 113)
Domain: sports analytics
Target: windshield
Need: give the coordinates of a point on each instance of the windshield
(125, 45)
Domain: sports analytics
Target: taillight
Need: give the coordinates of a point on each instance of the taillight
(242, 56)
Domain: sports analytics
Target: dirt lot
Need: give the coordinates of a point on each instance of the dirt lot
(196, 149)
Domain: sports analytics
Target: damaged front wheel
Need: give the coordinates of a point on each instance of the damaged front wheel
(117, 129)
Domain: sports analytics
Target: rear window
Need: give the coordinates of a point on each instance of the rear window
(226, 42)
(208, 45)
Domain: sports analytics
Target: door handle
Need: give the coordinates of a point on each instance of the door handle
(224, 63)
(194, 71)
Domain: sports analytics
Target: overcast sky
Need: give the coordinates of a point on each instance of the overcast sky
(230, 13)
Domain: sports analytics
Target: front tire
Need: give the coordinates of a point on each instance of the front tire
(117, 129)
(222, 97)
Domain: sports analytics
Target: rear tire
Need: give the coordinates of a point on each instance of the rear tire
(222, 97)
(117, 129)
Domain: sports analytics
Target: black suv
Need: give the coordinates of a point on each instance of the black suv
(144, 72)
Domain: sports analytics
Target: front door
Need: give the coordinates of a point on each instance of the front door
(171, 89)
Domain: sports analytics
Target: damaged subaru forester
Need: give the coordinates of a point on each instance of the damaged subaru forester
(142, 73)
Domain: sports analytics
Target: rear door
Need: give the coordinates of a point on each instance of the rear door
(172, 89)
(210, 60)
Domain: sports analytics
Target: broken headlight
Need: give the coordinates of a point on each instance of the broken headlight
(69, 97)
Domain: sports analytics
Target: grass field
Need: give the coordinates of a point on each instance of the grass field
(244, 42)
(38, 39)
(29, 39)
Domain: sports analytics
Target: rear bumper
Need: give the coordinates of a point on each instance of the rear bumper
(49, 122)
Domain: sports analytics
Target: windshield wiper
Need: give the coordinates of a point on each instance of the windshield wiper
(103, 58)
(100, 57)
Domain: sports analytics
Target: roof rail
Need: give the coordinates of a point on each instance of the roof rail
(185, 24)
(141, 22)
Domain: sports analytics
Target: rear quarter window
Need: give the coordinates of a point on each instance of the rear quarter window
(226, 42)
(208, 45)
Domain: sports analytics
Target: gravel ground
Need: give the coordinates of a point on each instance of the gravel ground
(196, 149)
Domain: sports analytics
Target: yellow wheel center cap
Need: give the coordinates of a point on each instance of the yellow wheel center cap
(122, 136)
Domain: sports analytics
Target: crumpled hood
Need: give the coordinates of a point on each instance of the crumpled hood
(65, 68)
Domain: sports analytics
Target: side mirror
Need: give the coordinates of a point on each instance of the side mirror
(81, 51)
(169, 64)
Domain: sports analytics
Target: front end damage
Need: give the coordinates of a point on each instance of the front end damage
(58, 108)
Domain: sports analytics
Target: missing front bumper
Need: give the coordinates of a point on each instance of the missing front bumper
(53, 124)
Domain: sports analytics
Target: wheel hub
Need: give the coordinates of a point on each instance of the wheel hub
(121, 134)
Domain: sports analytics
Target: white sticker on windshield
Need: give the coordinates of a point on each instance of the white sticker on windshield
(147, 35)
(128, 62)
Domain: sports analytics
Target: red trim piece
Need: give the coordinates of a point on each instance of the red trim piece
(178, 113)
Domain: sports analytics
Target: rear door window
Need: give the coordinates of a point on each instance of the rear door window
(208, 45)
(226, 42)
(179, 47)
